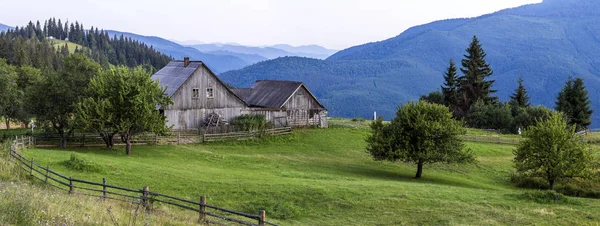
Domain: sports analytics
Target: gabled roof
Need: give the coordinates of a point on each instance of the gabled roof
(270, 93)
(175, 74)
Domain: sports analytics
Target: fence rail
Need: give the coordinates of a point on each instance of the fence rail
(491, 139)
(142, 196)
(175, 137)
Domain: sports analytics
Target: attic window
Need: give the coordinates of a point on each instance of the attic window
(195, 93)
(210, 93)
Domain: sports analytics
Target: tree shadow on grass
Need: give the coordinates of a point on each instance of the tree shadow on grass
(405, 176)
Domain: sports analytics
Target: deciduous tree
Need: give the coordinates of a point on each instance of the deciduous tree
(553, 151)
(124, 101)
(421, 133)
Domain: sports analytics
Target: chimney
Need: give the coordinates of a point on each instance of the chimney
(186, 61)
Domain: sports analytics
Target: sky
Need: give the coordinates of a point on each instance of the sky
(335, 24)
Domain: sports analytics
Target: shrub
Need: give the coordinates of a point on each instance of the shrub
(546, 197)
(78, 163)
(250, 122)
(358, 119)
(490, 116)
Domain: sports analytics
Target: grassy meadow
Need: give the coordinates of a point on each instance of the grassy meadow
(60, 43)
(325, 177)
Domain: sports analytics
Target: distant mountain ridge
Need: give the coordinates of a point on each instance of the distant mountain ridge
(4, 27)
(545, 43)
(269, 52)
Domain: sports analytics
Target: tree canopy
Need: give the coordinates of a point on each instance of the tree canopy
(553, 151)
(474, 83)
(124, 101)
(421, 133)
(574, 102)
(55, 101)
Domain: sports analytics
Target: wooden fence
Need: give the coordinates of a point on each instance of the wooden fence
(491, 139)
(175, 137)
(206, 213)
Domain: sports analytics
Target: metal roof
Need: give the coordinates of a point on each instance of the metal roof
(270, 93)
(175, 74)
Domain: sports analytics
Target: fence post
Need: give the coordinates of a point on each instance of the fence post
(263, 217)
(145, 202)
(31, 168)
(178, 137)
(103, 188)
(10, 153)
(22, 141)
(47, 169)
(202, 212)
(71, 185)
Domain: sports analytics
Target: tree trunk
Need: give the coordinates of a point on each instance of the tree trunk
(419, 169)
(7, 123)
(551, 182)
(63, 141)
(127, 145)
(108, 139)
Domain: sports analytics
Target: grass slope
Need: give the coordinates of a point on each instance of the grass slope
(325, 177)
(60, 43)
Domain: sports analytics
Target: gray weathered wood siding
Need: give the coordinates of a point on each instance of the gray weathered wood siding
(188, 112)
(304, 110)
(275, 116)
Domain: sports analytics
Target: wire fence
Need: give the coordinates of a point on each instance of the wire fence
(206, 213)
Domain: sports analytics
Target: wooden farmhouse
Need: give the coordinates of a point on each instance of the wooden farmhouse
(198, 95)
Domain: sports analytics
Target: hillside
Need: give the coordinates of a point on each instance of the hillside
(545, 43)
(322, 176)
(60, 43)
(4, 27)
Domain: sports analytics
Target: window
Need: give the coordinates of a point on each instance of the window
(210, 93)
(195, 93)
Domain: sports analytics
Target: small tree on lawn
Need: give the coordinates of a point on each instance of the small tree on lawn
(421, 133)
(553, 151)
(124, 101)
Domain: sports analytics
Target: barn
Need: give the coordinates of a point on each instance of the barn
(198, 94)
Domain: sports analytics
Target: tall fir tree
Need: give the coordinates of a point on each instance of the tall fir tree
(450, 89)
(475, 84)
(574, 102)
(520, 97)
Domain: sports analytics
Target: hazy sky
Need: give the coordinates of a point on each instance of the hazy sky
(332, 23)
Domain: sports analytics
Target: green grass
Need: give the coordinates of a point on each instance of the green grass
(60, 43)
(325, 177)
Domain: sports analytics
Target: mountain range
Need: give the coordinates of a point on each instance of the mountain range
(268, 52)
(222, 57)
(545, 43)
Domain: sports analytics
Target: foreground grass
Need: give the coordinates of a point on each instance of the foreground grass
(325, 177)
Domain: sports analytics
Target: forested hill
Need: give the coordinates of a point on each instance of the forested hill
(4, 27)
(34, 44)
(545, 43)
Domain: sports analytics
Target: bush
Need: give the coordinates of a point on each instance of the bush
(250, 122)
(78, 163)
(547, 197)
(358, 119)
(490, 116)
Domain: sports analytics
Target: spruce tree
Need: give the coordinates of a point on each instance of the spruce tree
(451, 86)
(574, 102)
(474, 84)
(520, 97)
